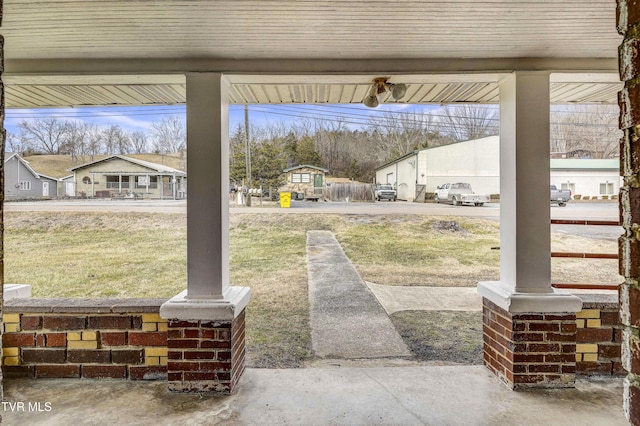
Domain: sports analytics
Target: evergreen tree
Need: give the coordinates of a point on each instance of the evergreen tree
(267, 165)
(237, 155)
(306, 152)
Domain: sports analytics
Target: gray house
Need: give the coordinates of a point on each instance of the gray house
(21, 181)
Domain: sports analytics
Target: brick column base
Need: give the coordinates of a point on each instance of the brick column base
(205, 356)
(530, 350)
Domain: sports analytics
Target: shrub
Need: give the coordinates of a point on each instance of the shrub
(577, 197)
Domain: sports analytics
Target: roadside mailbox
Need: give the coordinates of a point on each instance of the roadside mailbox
(285, 200)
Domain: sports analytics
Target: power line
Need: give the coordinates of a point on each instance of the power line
(321, 112)
(357, 120)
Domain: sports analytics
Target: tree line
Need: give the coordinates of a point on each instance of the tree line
(332, 143)
(83, 141)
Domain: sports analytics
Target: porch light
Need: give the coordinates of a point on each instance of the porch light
(371, 100)
(381, 85)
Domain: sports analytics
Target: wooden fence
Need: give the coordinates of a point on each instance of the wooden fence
(348, 190)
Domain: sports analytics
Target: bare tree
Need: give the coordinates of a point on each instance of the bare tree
(116, 140)
(94, 141)
(466, 122)
(330, 144)
(78, 139)
(139, 142)
(396, 134)
(585, 131)
(47, 136)
(169, 135)
(15, 144)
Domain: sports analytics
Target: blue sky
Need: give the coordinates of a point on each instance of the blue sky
(140, 118)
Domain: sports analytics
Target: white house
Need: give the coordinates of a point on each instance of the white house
(592, 177)
(478, 163)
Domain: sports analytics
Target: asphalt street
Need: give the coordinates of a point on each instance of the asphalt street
(581, 210)
(593, 211)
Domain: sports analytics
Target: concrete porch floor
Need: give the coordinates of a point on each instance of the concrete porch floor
(423, 395)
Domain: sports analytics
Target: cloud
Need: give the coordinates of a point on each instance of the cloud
(127, 122)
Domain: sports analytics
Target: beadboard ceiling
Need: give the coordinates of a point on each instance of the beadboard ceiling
(57, 37)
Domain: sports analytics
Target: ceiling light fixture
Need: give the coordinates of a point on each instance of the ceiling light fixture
(381, 85)
(371, 100)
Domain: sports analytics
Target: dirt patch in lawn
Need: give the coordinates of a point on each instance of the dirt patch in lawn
(445, 336)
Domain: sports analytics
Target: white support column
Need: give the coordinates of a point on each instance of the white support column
(525, 243)
(207, 205)
(208, 294)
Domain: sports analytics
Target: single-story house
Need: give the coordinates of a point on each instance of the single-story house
(478, 163)
(119, 176)
(592, 177)
(305, 179)
(22, 181)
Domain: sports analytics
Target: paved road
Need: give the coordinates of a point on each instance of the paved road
(106, 205)
(593, 211)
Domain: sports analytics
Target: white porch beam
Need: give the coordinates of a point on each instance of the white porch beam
(295, 66)
(525, 242)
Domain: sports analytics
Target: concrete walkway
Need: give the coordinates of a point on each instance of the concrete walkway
(346, 319)
(389, 396)
(417, 298)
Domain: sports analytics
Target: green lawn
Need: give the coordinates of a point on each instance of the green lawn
(144, 255)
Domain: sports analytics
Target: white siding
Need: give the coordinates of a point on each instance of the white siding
(407, 179)
(587, 182)
(387, 175)
(476, 162)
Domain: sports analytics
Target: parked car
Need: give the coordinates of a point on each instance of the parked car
(459, 193)
(559, 196)
(385, 192)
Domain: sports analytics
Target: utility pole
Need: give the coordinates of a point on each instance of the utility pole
(248, 152)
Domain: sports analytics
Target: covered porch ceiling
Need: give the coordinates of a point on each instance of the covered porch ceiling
(72, 91)
(112, 52)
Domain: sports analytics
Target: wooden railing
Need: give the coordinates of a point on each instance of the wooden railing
(578, 255)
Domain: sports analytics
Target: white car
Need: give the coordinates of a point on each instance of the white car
(459, 193)
(385, 192)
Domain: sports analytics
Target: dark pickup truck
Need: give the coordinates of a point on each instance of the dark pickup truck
(559, 196)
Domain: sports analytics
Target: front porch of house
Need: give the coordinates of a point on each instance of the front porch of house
(551, 53)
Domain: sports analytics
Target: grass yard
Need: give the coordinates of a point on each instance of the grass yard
(410, 250)
(144, 255)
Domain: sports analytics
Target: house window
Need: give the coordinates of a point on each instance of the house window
(25, 185)
(300, 177)
(606, 188)
(86, 180)
(115, 182)
(144, 181)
